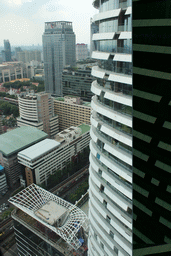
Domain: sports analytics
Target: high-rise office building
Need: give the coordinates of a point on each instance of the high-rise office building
(17, 49)
(152, 128)
(27, 56)
(110, 178)
(81, 51)
(58, 51)
(6, 54)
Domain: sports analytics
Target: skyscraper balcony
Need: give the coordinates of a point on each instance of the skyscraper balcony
(111, 132)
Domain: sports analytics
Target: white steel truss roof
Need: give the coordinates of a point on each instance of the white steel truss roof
(34, 197)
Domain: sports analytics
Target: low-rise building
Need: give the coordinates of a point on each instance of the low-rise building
(11, 71)
(48, 156)
(71, 111)
(13, 142)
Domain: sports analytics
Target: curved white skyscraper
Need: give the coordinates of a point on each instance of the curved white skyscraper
(110, 182)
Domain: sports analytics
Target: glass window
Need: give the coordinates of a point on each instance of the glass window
(116, 250)
(108, 218)
(111, 234)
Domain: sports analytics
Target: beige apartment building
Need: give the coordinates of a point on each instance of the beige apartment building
(71, 111)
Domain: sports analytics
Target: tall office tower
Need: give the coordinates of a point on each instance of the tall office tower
(110, 181)
(17, 49)
(152, 128)
(58, 51)
(27, 56)
(37, 110)
(81, 51)
(7, 50)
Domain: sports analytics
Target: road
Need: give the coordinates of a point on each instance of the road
(4, 199)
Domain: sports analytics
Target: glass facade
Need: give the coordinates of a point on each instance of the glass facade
(30, 244)
(58, 51)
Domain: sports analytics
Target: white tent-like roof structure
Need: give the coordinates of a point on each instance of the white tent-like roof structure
(34, 198)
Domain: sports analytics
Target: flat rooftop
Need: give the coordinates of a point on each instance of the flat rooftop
(87, 104)
(20, 138)
(51, 212)
(38, 149)
(84, 103)
(84, 128)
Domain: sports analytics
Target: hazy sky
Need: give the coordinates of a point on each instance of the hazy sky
(22, 21)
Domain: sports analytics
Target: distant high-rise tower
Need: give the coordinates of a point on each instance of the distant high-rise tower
(81, 51)
(110, 191)
(58, 51)
(7, 51)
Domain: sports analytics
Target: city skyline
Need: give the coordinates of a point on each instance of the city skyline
(22, 21)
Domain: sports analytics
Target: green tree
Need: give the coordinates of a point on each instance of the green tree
(6, 108)
(40, 88)
(9, 109)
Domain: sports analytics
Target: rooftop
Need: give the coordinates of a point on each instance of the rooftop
(84, 128)
(38, 149)
(72, 133)
(34, 198)
(84, 103)
(20, 138)
(87, 104)
(51, 212)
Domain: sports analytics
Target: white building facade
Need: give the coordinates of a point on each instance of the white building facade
(37, 110)
(48, 156)
(110, 181)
